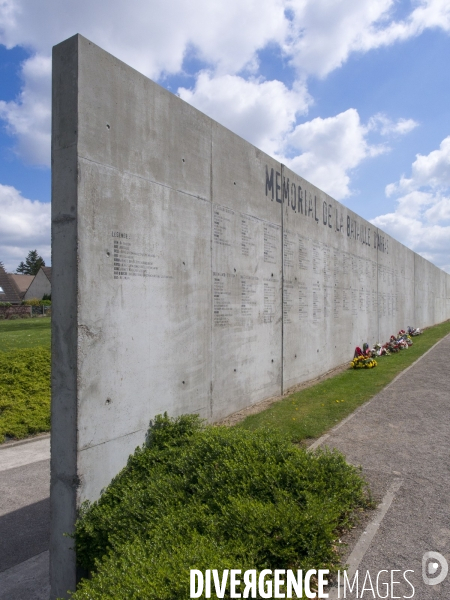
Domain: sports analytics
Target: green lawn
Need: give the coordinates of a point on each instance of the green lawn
(24, 333)
(311, 412)
(24, 377)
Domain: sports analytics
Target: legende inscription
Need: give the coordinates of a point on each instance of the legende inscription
(131, 261)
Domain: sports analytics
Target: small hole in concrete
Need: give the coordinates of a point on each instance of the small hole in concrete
(235, 270)
(184, 262)
(234, 183)
(272, 359)
(272, 274)
(317, 349)
(295, 356)
(108, 126)
(235, 370)
(184, 382)
(108, 400)
(183, 159)
(108, 253)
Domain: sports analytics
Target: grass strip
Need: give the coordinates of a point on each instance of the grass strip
(213, 498)
(24, 392)
(309, 413)
(24, 333)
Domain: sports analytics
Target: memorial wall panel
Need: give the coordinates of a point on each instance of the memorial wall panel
(431, 291)
(144, 286)
(395, 286)
(330, 281)
(246, 274)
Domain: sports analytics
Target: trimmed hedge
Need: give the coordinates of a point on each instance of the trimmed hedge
(212, 497)
(24, 392)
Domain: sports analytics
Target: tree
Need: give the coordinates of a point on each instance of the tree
(32, 264)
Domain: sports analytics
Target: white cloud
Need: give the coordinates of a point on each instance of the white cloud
(421, 219)
(427, 239)
(153, 37)
(386, 127)
(324, 33)
(439, 211)
(329, 149)
(428, 14)
(324, 151)
(24, 226)
(262, 112)
(29, 118)
(317, 36)
(432, 170)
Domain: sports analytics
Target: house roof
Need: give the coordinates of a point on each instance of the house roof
(22, 281)
(48, 272)
(10, 291)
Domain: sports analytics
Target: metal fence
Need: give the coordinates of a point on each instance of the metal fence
(37, 311)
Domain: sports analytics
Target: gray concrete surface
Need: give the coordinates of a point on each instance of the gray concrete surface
(403, 434)
(27, 581)
(25, 520)
(192, 273)
(18, 454)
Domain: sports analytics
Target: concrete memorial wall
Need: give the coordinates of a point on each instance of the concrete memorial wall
(191, 273)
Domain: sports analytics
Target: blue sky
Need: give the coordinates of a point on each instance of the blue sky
(351, 94)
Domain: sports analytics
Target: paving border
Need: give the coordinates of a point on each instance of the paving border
(28, 440)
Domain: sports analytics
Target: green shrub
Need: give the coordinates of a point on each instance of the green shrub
(212, 497)
(7, 304)
(31, 302)
(24, 392)
(47, 297)
(45, 302)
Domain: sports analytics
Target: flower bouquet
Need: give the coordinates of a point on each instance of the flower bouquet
(362, 359)
(363, 362)
(413, 331)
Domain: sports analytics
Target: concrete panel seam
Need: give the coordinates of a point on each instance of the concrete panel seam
(282, 167)
(138, 176)
(65, 147)
(211, 261)
(119, 437)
